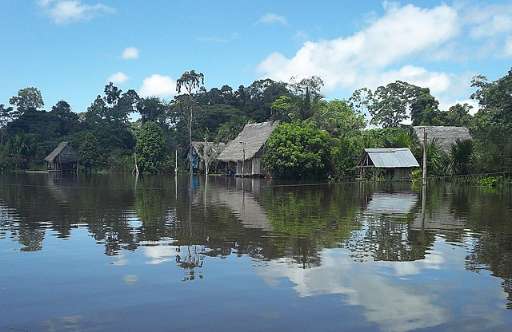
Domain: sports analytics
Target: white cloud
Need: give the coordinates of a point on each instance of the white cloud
(272, 18)
(118, 78)
(508, 47)
(158, 86)
(488, 21)
(130, 53)
(68, 11)
(367, 55)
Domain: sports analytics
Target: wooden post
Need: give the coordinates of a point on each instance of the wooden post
(424, 156)
(176, 163)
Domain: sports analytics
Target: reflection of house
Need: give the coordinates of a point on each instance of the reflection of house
(63, 158)
(442, 136)
(247, 149)
(205, 150)
(391, 163)
(242, 202)
(396, 203)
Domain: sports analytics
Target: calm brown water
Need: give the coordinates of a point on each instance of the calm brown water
(105, 253)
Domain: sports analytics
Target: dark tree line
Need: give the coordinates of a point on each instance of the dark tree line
(120, 127)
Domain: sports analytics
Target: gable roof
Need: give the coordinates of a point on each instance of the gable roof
(392, 158)
(254, 136)
(58, 150)
(443, 136)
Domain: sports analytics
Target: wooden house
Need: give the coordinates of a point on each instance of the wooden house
(389, 163)
(62, 158)
(243, 155)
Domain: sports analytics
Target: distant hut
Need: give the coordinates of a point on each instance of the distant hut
(205, 153)
(391, 163)
(247, 149)
(62, 158)
(442, 136)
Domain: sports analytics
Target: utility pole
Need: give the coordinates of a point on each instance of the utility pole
(243, 158)
(424, 156)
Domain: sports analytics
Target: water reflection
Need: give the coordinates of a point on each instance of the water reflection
(389, 250)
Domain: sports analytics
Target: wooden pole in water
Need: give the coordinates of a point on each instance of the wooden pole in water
(424, 156)
(176, 163)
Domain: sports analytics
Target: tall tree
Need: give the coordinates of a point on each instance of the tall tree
(189, 83)
(27, 99)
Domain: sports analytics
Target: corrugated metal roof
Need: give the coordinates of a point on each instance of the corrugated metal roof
(392, 157)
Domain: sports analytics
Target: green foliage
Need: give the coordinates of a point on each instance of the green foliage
(460, 157)
(298, 151)
(338, 118)
(150, 148)
(88, 150)
(489, 181)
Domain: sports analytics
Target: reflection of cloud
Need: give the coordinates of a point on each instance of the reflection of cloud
(160, 253)
(130, 279)
(432, 261)
(120, 260)
(394, 307)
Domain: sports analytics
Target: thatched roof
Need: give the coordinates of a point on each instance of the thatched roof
(392, 158)
(66, 153)
(253, 137)
(217, 148)
(443, 136)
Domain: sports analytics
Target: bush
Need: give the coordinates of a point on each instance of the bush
(298, 151)
(489, 181)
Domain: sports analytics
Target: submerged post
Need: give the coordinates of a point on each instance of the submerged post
(424, 182)
(176, 163)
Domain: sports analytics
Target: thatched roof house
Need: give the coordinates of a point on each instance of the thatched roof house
(62, 158)
(248, 147)
(443, 136)
(392, 163)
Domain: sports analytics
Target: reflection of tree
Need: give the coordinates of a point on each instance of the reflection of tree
(309, 220)
(489, 215)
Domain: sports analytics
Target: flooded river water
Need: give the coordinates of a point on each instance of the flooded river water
(106, 252)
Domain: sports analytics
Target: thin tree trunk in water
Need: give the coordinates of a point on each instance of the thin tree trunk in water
(136, 167)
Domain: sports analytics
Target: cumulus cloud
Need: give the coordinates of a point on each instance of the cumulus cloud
(130, 53)
(272, 18)
(369, 55)
(158, 86)
(68, 11)
(118, 78)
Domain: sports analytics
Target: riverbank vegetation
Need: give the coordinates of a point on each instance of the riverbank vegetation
(316, 137)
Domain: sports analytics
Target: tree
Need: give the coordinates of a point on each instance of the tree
(338, 118)
(189, 82)
(68, 121)
(298, 151)
(458, 115)
(424, 108)
(152, 109)
(27, 99)
(88, 150)
(150, 148)
(307, 96)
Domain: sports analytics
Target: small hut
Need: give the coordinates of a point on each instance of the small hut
(62, 158)
(243, 154)
(442, 136)
(391, 163)
(205, 153)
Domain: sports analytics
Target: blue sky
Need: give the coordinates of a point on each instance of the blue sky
(69, 49)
